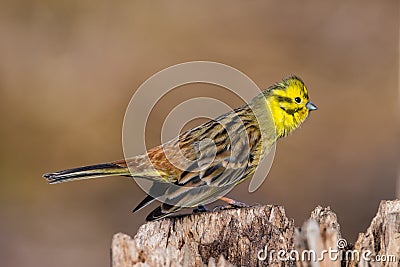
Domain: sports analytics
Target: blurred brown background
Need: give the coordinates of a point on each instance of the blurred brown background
(69, 68)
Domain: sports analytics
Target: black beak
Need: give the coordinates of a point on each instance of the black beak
(310, 106)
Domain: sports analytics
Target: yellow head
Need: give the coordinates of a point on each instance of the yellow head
(289, 104)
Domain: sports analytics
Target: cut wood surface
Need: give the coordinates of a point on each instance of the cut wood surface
(259, 236)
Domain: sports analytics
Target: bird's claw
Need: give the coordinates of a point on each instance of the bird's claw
(200, 209)
(231, 206)
(238, 204)
(218, 208)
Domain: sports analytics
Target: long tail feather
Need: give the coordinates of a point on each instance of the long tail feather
(144, 203)
(87, 172)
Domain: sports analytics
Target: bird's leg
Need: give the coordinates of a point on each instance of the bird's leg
(234, 203)
(200, 208)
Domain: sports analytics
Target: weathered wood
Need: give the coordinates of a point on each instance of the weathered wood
(320, 232)
(235, 234)
(382, 238)
(253, 237)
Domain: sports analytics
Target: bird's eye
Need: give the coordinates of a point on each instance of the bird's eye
(298, 100)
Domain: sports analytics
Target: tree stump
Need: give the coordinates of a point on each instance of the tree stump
(382, 238)
(258, 236)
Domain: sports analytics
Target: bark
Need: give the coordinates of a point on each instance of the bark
(382, 238)
(255, 236)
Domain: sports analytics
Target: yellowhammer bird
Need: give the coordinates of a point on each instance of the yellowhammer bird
(213, 167)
